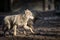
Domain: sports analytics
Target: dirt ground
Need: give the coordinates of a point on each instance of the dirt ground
(30, 38)
(42, 33)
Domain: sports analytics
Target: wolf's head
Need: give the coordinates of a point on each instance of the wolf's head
(29, 14)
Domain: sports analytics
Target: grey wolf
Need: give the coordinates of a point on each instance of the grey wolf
(13, 21)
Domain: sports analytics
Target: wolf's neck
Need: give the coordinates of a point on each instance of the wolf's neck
(25, 17)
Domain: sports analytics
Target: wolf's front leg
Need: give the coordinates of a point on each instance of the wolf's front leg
(28, 28)
(24, 32)
(31, 30)
(15, 27)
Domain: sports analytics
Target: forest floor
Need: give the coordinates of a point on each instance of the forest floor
(41, 33)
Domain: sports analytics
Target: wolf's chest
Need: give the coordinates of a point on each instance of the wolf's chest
(20, 21)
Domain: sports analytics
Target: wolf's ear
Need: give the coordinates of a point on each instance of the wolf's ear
(27, 11)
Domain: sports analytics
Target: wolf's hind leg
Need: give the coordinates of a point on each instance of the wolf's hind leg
(15, 27)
